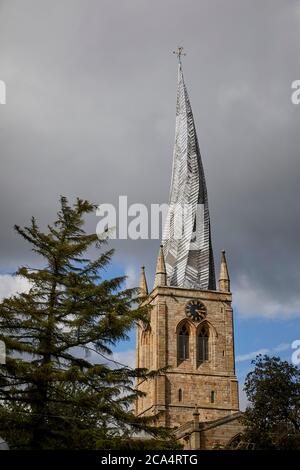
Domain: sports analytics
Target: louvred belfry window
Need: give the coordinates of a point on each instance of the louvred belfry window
(203, 353)
(183, 343)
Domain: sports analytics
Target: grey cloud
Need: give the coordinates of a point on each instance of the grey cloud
(91, 108)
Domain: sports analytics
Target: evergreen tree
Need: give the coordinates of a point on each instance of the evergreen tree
(273, 418)
(53, 395)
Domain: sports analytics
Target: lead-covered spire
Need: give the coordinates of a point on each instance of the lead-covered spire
(187, 238)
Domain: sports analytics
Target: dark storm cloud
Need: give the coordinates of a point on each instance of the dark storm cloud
(91, 111)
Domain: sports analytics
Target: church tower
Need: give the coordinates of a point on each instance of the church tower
(191, 320)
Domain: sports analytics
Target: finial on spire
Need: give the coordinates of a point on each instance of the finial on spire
(224, 280)
(160, 273)
(179, 52)
(143, 283)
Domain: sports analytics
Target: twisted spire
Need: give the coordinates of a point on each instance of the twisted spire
(187, 240)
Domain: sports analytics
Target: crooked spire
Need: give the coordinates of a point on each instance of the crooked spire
(187, 242)
(143, 290)
(160, 273)
(224, 280)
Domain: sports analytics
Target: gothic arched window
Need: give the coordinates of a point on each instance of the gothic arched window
(183, 343)
(203, 353)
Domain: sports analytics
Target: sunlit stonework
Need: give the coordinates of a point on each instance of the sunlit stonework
(190, 331)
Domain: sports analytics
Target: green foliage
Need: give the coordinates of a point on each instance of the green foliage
(273, 418)
(54, 393)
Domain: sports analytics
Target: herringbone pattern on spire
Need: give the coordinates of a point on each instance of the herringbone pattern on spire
(187, 247)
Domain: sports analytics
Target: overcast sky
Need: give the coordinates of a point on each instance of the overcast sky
(91, 93)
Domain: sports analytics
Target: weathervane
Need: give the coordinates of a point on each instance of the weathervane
(179, 53)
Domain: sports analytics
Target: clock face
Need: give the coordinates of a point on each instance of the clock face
(195, 310)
